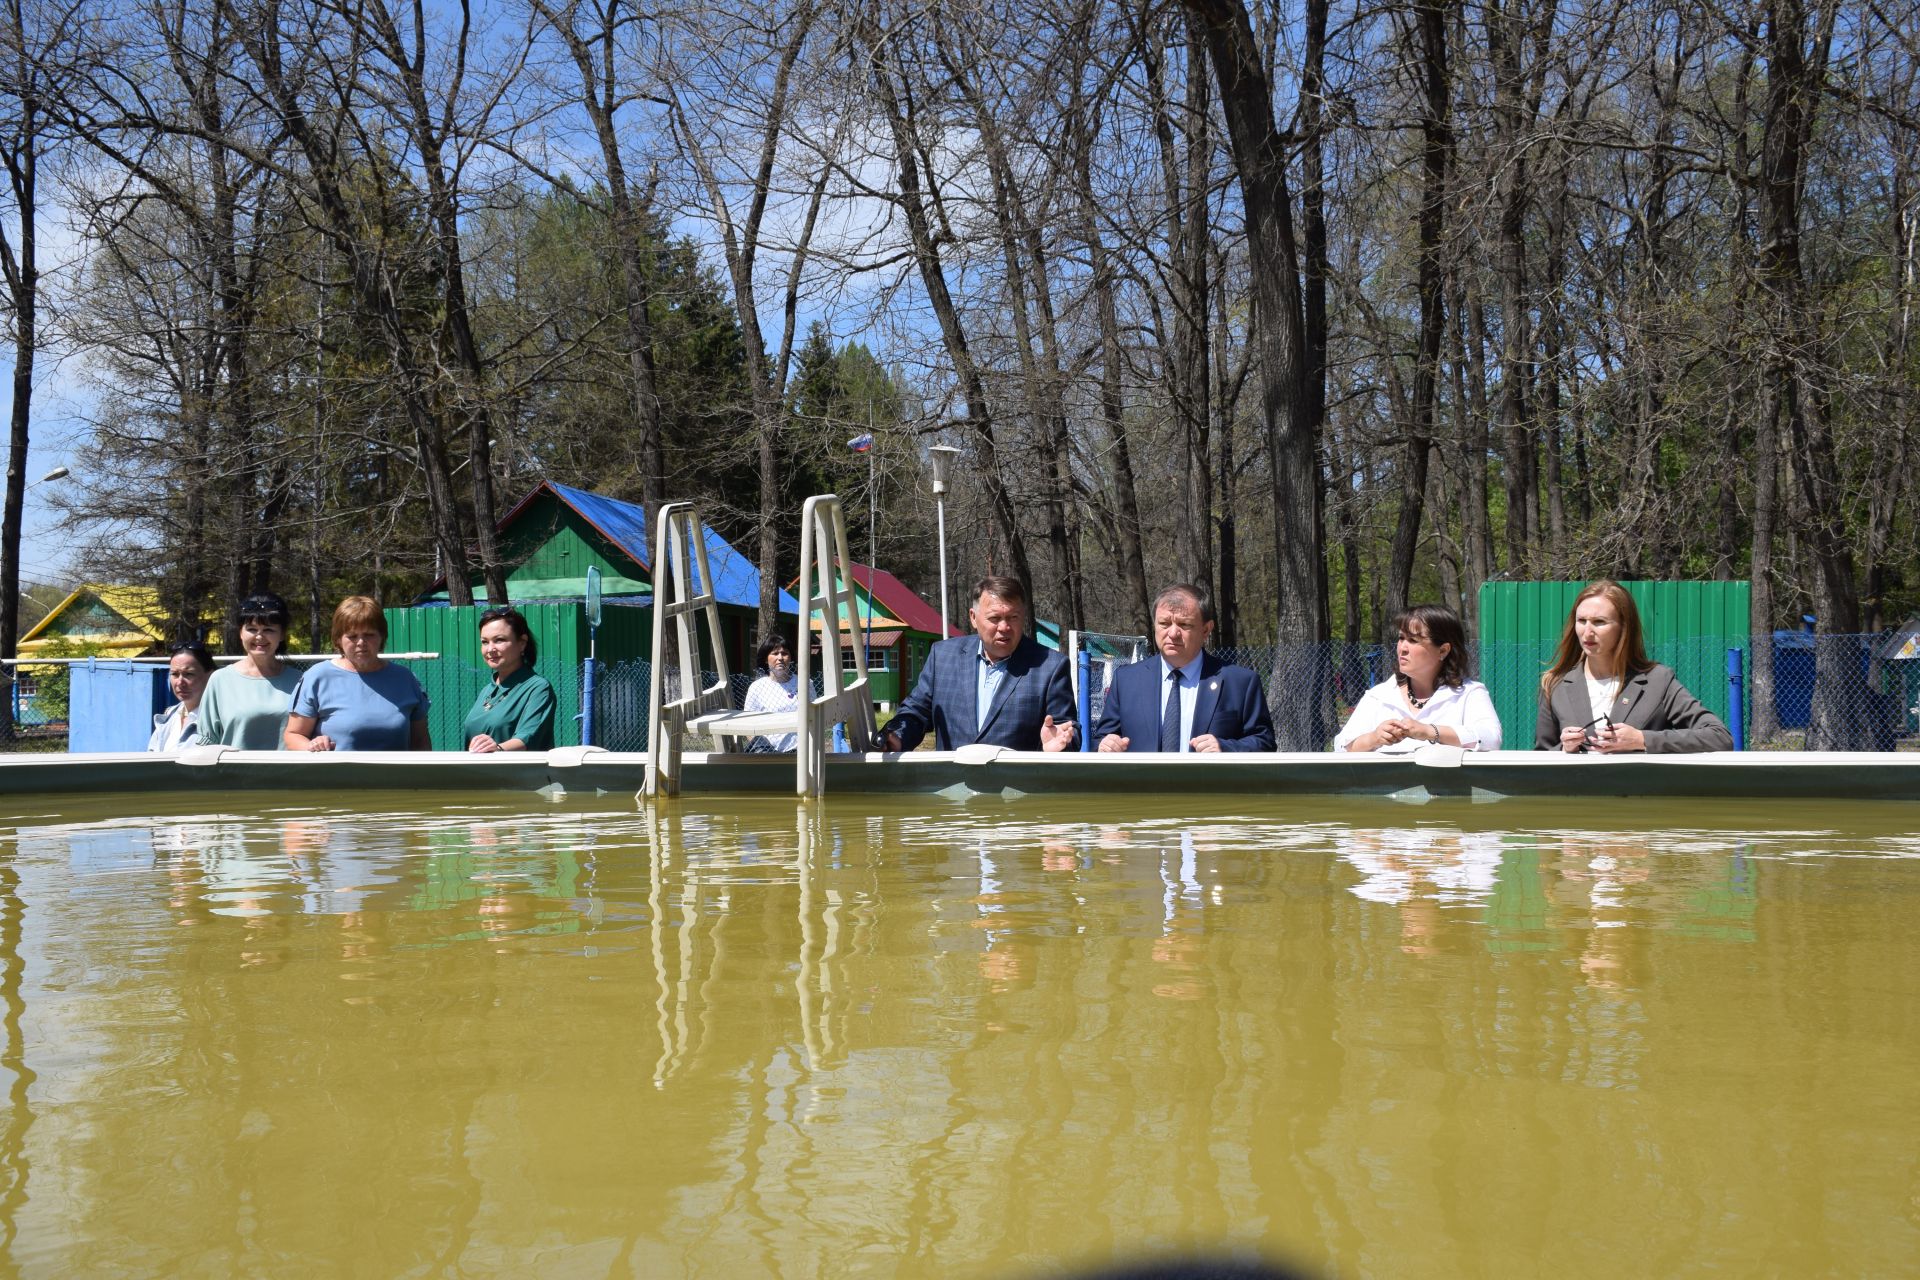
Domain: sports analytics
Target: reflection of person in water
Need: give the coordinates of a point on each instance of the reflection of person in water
(1605, 872)
(1420, 870)
(1007, 965)
(344, 866)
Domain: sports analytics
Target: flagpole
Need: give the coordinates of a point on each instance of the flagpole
(864, 444)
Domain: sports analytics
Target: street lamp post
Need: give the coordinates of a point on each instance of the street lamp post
(943, 456)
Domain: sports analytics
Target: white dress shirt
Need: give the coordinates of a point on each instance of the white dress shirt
(1468, 711)
(768, 694)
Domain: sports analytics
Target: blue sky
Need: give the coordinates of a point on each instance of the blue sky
(47, 553)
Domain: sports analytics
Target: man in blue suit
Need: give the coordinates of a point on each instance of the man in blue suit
(1186, 699)
(994, 686)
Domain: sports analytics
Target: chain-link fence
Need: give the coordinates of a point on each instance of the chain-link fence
(1792, 691)
(1801, 692)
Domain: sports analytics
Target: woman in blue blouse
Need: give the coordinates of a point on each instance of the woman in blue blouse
(359, 701)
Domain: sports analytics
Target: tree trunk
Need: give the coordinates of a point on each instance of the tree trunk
(630, 229)
(933, 278)
(1436, 147)
(1030, 306)
(1133, 569)
(1227, 604)
(1505, 32)
(1552, 344)
(1186, 366)
(20, 151)
(374, 285)
(443, 200)
(1259, 154)
(1470, 412)
(1793, 87)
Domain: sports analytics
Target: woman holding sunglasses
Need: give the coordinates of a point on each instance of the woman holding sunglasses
(1604, 694)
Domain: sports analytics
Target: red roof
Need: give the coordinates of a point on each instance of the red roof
(898, 599)
(895, 597)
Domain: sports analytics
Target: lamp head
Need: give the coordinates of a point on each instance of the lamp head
(943, 456)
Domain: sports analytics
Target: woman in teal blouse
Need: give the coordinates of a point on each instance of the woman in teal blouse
(246, 704)
(515, 711)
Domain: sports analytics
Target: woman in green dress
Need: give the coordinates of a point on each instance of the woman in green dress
(515, 711)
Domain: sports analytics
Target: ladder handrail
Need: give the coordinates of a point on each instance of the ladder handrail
(680, 553)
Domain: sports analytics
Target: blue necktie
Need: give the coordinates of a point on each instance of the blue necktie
(1170, 714)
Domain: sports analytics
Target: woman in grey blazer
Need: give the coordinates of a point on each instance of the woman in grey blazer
(1604, 694)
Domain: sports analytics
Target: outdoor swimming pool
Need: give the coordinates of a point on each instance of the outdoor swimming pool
(418, 1035)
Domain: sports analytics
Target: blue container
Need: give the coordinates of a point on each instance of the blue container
(112, 705)
(1792, 678)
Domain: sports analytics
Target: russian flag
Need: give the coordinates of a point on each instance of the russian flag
(861, 443)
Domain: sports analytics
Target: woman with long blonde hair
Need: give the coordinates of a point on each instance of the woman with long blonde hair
(1602, 693)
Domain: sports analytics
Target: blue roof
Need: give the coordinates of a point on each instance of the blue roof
(625, 524)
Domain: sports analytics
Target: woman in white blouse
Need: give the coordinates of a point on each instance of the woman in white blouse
(1430, 698)
(178, 727)
(778, 690)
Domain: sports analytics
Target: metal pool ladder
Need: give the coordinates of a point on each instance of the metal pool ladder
(683, 587)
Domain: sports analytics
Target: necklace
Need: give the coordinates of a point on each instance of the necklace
(1406, 690)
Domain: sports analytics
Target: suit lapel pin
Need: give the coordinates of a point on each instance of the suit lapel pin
(1214, 687)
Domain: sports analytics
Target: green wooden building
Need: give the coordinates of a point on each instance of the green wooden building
(548, 541)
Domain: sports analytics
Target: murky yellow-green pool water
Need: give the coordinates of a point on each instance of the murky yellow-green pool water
(444, 1036)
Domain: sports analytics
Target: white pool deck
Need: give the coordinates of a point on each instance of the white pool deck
(1434, 772)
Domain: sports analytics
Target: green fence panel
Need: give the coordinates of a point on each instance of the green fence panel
(457, 676)
(1689, 626)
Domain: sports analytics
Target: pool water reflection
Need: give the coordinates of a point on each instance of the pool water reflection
(905, 1036)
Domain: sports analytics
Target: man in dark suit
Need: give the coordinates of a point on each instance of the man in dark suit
(995, 686)
(1186, 699)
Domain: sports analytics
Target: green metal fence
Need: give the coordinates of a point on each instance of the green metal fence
(1689, 626)
(454, 679)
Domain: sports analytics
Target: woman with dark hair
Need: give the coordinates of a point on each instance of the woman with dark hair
(247, 703)
(1604, 694)
(359, 701)
(777, 690)
(1429, 698)
(187, 672)
(515, 711)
